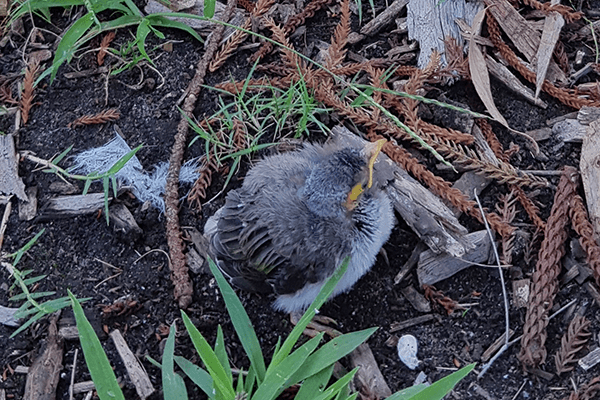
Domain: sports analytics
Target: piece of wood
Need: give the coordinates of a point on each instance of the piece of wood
(589, 165)
(430, 22)
(122, 221)
(83, 387)
(416, 299)
(71, 206)
(398, 326)
(28, 209)
(512, 82)
(434, 267)
(44, 373)
(587, 115)
(7, 316)
(525, 38)
(10, 182)
(590, 360)
(410, 264)
(424, 212)
(368, 377)
(520, 293)
(569, 131)
(550, 34)
(138, 376)
(384, 19)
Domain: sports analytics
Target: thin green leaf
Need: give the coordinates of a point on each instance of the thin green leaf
(143, 30)
(438, 389)
(106, 189)
(221, 354)
(330, 353)
(209, 8)
(36, 295)
(19, 253)
(159, 20)
(173, 385)
(62, 155)
(31, 281)
(199, 376)
(315, 384)
(66, 48)
(241, 323)
(337, 386)
(210, 359)
(102, 373)
(276, 378)
(26, 325)
(87, 185)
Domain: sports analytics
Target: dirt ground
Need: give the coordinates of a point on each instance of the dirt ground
(88, 257)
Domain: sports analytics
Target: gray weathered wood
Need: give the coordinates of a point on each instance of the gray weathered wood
(431, 21)
(10, 182)
(138, 376)
(369, 376)
(28, 209)
(70, 206)
(7, 316)
(433, 267)
(385, 18)
(512, 82)
(589, 166)
(587, 115)
(122, 221)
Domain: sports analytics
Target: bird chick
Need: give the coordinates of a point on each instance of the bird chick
(296, 217)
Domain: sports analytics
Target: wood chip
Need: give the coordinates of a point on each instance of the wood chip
(83, 387)
(28, 209)
(137, 374)
(569, 131)
(589, 166)
(433, 267)
(416, 299)
(590, 360)
(122, 221)
(368, 377)
(44, 373)
(384, 19)
(70, 206)
(398, 326)
(587, 115)
(521, 293)
(552, 26)
(10, 182)
(7, 316)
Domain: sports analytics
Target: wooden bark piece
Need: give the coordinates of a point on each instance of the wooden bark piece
(431, 21)
(45, 371)
(437, 267)
(369, 377)
(385, 18)
(425, 213)
(589, 166)
(10, 183)
(552, 27)
(522, 34)
(28, 209)
(70, 206)
(138, 376)
(7, 316)
(123, 221)
(512, 82)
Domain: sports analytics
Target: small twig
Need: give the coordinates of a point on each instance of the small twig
(73, 374)
(520, 389)
(506, 318)
(4, 222)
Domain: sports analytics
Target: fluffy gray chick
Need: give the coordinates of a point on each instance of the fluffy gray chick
(296, 217)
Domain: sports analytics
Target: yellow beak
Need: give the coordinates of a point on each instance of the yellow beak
(372, 150)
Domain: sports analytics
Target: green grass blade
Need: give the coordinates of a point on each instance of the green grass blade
(209, 8)
(309, 314)
(173, 385)
(241, 323)
(210, 359)
(36, 295)
(122, 161)
(19, 253)
(26, 325)
(102, 373)
(438, 389)
(159, 20)
(276, 378)
(106, 188)
(337, 386)
(331, 352)
(199, 376)
(143, 30)
(62, 155)
(221, 353)
(66, 48)
(31, 281)
(315, 384)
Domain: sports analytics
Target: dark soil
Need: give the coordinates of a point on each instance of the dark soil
(83, 253)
